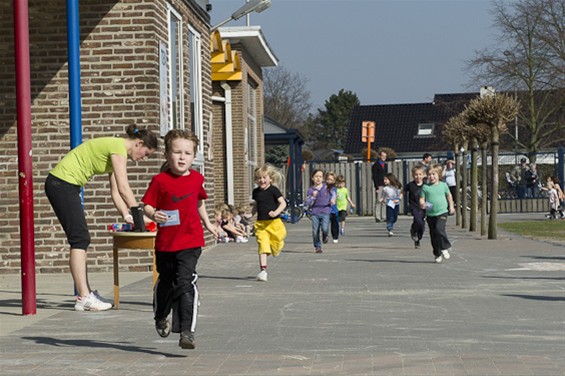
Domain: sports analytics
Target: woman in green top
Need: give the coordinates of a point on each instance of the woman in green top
(104, 155)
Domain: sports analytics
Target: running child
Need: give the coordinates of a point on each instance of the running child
(268, 203)
(436, 199)
(392, 194)
(318, 200)
(334, 222)
(413, 191)
(175, 200)
(342, 198)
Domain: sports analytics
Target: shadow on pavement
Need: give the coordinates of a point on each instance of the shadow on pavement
(97, 344)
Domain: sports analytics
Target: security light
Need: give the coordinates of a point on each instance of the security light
(251, 6)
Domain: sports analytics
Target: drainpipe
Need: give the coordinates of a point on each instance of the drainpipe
(229, 142)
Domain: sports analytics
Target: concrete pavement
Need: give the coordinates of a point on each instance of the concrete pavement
(369, 305)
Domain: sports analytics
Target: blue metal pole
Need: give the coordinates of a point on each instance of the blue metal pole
(75, 111)
(73, 45)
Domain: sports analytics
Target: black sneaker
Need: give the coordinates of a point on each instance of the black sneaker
(163, 327)
(187, 340)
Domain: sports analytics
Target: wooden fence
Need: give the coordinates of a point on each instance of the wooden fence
(359, 181)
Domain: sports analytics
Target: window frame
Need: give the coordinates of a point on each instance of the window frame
(425, 130)
(172, 12)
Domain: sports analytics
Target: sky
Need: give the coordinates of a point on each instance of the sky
(385, 51)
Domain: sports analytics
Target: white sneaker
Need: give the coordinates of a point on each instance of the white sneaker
(91, 303)
(262, 276)
(335, 241)
(103, 300)
(439, 259)
(390, 233)
(446, 254)
(241, 239)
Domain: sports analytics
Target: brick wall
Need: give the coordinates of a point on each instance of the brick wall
(120, 86)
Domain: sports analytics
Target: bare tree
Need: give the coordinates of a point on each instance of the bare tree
(528, 60)
(479, 135)
(495, 111)
(285, 97)
(454, 133)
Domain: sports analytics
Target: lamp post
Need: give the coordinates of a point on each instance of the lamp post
(251, 6)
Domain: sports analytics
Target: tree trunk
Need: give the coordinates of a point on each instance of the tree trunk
(474, 188)
(492, 233)
(457, 197)
(484, 189)
(464, 201)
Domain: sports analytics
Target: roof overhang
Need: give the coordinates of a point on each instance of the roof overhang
(254, 42)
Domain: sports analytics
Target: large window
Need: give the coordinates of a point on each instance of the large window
(195, 75)
(176, 101)
(251, 131)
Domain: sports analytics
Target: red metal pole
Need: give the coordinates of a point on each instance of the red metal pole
(25, 176)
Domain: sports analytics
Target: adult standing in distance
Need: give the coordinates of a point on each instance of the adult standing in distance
(426, 162)
(98, 156)
(379, 170)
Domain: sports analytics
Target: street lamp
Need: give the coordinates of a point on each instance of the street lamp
(251, 6)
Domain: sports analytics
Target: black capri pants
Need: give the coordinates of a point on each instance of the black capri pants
(67, 204)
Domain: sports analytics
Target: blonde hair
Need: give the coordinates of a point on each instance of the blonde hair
(416, 169)
(270, 170)
(218, 208)
(437, 168)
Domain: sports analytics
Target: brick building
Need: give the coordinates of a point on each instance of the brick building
(144, 62)
(238, 57)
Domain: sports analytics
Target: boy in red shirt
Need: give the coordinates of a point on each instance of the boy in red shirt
(175, 200)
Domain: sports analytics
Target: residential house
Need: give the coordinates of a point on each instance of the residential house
(409, 129)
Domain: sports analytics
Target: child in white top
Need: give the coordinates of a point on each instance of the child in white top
(392, 194)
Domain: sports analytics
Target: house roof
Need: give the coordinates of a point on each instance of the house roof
(397, 125)
(253, 40)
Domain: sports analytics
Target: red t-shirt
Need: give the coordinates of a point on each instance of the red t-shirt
(179, 197)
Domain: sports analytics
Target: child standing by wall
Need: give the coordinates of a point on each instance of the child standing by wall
(413, 190)
(334, 223)
(318, 200)
(268, 203)
(342, 198)
(436, 199)
(175, 200)
(391, 198)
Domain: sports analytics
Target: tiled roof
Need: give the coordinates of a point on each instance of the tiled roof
(397, 124)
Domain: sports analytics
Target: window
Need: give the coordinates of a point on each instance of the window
(195, 75)
(176, 101)
(251, 132)
(426, 130)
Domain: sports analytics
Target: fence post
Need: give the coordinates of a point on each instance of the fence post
(358, 187)
(560, 162)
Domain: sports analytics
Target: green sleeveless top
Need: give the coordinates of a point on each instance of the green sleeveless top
(90, 158)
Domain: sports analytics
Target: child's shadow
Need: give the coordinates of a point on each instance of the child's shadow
(91, 343)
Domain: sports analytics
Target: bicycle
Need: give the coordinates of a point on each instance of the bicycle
(293, 214)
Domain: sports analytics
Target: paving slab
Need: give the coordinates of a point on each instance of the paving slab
(369, 305)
